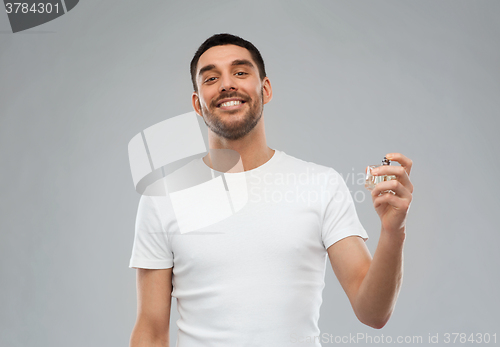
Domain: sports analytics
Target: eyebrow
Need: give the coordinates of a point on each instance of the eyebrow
(236, 62)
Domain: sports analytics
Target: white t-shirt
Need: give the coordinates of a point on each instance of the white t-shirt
(255, 278)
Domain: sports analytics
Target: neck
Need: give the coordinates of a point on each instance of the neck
(252, 148)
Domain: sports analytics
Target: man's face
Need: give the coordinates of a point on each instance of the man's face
(230, 96)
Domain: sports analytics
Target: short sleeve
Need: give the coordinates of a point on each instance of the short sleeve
(340, 217)
(151, 248)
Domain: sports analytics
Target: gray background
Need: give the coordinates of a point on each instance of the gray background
(352, 81)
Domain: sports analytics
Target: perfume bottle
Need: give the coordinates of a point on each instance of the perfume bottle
(371, 180)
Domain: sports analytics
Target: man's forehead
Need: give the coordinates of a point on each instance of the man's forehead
(222, 55)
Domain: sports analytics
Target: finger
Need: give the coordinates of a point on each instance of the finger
(398, 171)
(393, 200)
(393, 185)
(401, 159)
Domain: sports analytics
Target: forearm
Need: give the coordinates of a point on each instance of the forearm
(143, 336)
(379, 290)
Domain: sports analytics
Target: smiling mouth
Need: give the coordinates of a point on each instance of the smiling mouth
(231, 105)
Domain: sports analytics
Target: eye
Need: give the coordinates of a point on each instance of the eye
(242, 73)
(210, 79)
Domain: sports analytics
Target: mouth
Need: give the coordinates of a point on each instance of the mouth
(231, 104)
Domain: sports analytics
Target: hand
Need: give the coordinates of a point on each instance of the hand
(392, 208)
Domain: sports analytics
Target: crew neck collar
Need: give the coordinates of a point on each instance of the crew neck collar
(274, 158)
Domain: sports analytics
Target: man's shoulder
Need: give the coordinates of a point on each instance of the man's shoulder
(296, 163)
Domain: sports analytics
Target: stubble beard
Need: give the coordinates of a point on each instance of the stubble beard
(227, 127)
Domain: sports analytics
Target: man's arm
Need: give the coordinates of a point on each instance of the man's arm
(154, 296)
(372, 285)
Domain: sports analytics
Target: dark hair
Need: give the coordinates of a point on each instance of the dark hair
(226, 39)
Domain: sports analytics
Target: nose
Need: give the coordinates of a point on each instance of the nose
(227, 83)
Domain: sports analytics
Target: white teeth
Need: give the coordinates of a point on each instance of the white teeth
(231, 103)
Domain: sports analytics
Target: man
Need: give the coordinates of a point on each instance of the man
(259, 281)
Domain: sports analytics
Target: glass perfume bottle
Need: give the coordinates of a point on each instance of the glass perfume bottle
(371, 180)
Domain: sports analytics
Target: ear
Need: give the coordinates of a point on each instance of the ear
(267, 90)
(195, 100)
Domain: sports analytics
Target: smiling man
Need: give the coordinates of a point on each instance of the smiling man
(256, 278)
(230, 90)
(235, 113)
